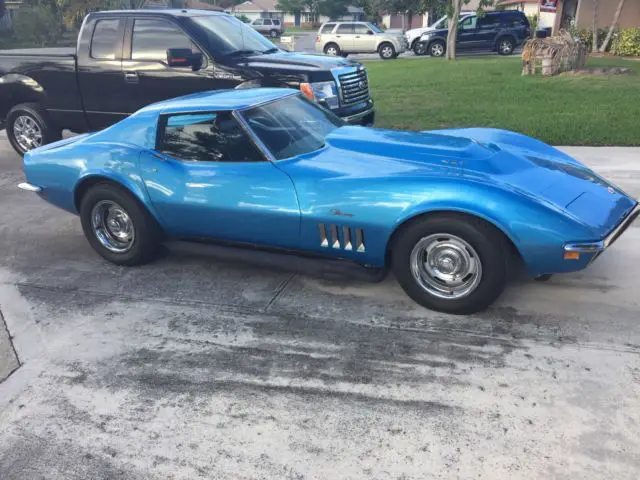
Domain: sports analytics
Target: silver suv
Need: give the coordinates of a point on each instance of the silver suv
(343, 38)
(268, 26)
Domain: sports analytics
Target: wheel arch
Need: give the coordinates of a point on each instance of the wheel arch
(511, 36)
(456, 212)
(137, 191)
(18, 89)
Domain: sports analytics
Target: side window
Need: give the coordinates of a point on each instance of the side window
(515, 20)
(345, 29)
(106, 39)
(152, 38)
(328, 28)
(258, 23)
(361, 29)
(276, 22)
(206, 137)
(267, 21)
(489, 22)
(469, 23)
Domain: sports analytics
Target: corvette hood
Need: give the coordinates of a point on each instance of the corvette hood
(529, 168)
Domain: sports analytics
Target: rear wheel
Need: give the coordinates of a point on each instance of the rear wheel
(273, 34)
(29, 126)
(387, 51)
(437, 48)
(117, 226)
(451, 263)
(332, 49)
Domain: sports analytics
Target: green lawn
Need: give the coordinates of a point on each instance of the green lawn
(490, 92)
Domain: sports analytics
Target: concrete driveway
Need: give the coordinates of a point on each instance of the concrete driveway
(198, 366)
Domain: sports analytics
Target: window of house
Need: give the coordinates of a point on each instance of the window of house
(206, 137)
(106, 38)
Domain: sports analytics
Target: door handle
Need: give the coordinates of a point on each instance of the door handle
(131, 77)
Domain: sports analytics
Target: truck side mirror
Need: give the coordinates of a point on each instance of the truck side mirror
(184, 57)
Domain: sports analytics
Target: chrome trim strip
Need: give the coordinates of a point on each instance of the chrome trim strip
(253, 137)
(29, 188)
(585, 247)
(633, 214)
(360, 115)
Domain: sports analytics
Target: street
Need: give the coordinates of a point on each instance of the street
(210, 364)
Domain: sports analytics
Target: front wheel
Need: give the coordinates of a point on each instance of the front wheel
(387, 51)
(451, 263)
(506, 46)
(117, 226)
(420, 48)
(29, 126)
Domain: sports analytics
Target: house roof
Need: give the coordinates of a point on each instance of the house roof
(257, 6)
(515, 2)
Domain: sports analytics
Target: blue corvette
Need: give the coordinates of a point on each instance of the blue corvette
(265, 167)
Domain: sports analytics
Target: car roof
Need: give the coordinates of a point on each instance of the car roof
(236, 99)
(167, 12)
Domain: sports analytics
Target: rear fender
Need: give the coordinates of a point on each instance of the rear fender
(17, 89)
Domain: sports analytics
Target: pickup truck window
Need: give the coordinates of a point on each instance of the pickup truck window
(106, 39)
(227, 35)
(152, 38)
(206, 137)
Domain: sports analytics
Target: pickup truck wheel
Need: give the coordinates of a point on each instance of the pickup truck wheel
(437, 48)
(420, 48)
(332, 49)
(117, 226)
(451, 263)
(28, 127)
(387, 51)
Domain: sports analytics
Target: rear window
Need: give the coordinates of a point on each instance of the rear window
(345, 28)
(515, 19)
(328, 28)
(276, 22)
(106, 38)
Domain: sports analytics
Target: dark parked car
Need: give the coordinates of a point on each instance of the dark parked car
(126, 60)
(500, 31)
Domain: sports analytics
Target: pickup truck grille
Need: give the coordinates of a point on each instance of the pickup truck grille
(354, 87)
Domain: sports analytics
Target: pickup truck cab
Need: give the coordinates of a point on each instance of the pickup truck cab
(125, 60)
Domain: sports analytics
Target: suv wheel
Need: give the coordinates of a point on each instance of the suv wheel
(332, 50)
(420, 48)
(273, 34)
(505, 46)
(387, 51)
(28, 127)
(437, 48)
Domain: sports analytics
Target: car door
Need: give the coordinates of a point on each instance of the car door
(147, 76)
(467, 34)
(345, 37)
(364, 38)
(268, 26)
(207, 179)
(100, 71)
(487, 29)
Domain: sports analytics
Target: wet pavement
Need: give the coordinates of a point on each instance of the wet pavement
(205, 366)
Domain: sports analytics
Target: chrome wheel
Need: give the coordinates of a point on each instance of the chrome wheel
(506, 47)
(387, 51)
(445, 266)
(27, 132)
(437, 50)
(112, 226)
(332, 50)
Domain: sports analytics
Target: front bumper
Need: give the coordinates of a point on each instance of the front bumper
(596, 248)
(360, 114)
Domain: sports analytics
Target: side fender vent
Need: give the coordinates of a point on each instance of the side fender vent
(345, 238)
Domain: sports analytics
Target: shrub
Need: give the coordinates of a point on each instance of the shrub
(586, 36)
(243, 18)
(627, 43)
(37, 26)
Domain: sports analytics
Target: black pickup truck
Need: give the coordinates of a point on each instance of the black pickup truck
(125, 60)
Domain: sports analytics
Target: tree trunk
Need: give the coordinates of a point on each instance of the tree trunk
(453, 30)
(616, 17)
(594, 47)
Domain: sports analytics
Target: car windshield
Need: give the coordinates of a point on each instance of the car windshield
(227, 35)
(291, 126)
(374, 28)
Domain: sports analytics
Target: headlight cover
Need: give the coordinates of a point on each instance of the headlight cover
(322, 92)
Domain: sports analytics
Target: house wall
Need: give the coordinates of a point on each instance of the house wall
(547, 19)
(402, 21)
(630, 16)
